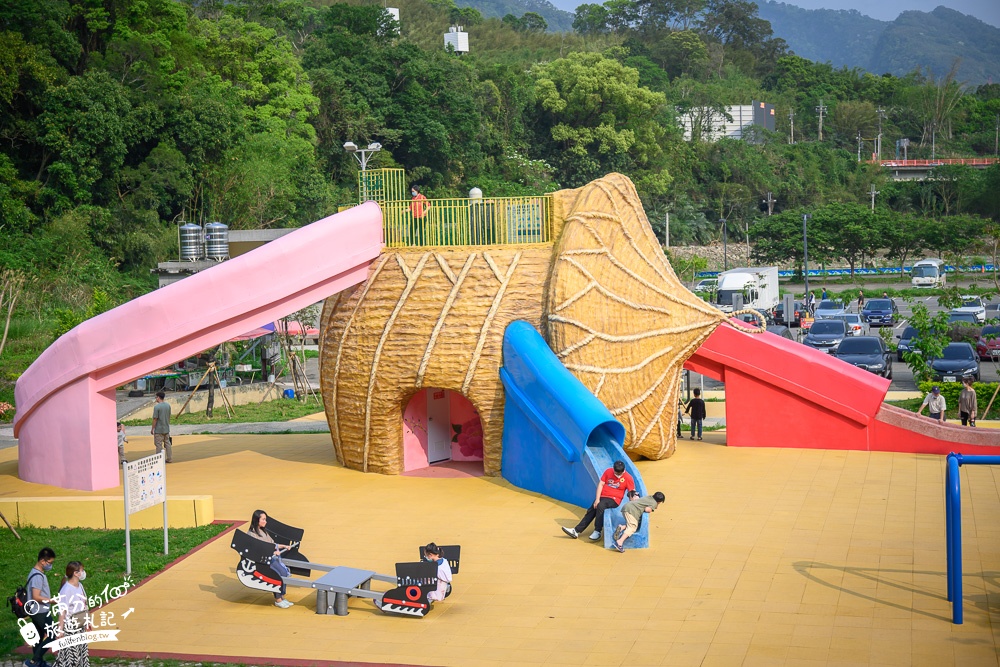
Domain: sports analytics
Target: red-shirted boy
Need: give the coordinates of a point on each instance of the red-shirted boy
(610, 491)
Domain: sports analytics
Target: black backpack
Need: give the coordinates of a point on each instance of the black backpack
(19, 599)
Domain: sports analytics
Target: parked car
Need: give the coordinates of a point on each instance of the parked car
(993, 311)
(963, 318)
(778, 314)
(868, 353)
(750, 319)
(855, 324)
(706, 285)
(957, 361)
(906, 340)
(781, 330)
(880, 312)
(828, 308)
(972, 304)
(988, 345)
(826, 335)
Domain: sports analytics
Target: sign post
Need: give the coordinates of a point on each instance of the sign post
(145, 485)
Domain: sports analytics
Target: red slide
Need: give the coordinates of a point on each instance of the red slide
(65, 418)
(780, 393)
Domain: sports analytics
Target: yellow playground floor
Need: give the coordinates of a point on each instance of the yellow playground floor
(759, 557)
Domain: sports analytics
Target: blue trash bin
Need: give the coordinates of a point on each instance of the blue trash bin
(289, 393)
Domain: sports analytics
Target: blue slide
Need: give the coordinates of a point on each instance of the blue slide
(558, 438)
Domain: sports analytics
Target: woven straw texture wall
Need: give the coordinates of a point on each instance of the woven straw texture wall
(619, 318)
(424, 319)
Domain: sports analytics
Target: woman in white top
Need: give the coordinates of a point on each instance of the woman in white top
(257, 524)
(433, 552)
(73, 610)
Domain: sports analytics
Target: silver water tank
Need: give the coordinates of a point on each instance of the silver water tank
(216, 241)
(191, 248)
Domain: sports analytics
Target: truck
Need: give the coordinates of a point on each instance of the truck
(928, 273)
(757, 285)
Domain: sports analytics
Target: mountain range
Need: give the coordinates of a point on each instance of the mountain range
(932, 41)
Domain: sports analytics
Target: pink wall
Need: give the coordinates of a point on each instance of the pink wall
(466, 430)
(415, 432)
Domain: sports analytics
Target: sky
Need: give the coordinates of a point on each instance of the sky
(987, 11)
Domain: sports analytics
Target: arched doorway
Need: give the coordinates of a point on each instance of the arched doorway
(440, 427)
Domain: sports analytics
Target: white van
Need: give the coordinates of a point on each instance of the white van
(928, 273)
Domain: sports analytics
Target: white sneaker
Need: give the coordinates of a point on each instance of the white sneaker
(571, 532)
(596, 535)
(283, 604)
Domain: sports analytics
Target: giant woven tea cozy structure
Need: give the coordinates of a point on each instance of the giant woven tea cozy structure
(603, 294)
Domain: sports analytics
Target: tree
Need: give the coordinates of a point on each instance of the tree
(12, 284)
(596, 116)
(591, 19)
(903, 237)
(855, 230)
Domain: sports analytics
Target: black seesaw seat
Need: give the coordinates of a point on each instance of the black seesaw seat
(413, 580)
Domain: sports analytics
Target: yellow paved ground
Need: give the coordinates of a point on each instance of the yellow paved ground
(760, 557)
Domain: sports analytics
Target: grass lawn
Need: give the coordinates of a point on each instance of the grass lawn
(25, 341)
(278, 410)
(102, 553)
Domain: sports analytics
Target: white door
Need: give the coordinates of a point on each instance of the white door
(438, 426)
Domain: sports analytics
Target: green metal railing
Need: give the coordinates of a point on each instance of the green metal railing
(447, 222)
(382, 184)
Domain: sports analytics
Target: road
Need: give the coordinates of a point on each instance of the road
(902, 376)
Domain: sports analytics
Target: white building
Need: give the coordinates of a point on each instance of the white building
(709, 125)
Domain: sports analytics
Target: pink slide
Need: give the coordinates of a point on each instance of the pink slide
(65, 418)
(780, 393)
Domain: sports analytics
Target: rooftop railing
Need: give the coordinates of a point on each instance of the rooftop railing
(458, 222)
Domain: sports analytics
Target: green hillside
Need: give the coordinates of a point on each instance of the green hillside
(556, 19)
(937, 41)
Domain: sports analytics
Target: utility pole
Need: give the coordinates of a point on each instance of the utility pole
(873, 193)
(821, 109)
(996, 140)
(770, 201)
(805, 252)
(791, 126)
(859, 145)
(725, 243)
(878, 145)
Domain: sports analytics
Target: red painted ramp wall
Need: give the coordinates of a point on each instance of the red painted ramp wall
(780, 393)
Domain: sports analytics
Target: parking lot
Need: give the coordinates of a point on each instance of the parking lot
(902, 376)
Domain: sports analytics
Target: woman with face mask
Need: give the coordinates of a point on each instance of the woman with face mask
(73, 610)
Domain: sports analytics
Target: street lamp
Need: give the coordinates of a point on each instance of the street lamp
(805, 254)
(362, 154)
(725, 242)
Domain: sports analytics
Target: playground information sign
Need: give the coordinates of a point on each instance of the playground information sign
(145, 482)
(144, 485)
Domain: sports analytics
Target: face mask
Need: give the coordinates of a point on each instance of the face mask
(47, 567)
(413, 193)
(83, 575)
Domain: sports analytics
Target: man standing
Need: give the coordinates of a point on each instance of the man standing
(633, 512)
(161, 426)
(610, 491)
(696, 406)
(419, 206)
(39, 597)
(935, 404)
